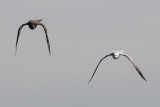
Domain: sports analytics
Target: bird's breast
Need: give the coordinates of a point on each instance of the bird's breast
(114, 57)
(32, 25)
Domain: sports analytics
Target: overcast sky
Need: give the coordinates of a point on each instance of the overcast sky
(80, 32)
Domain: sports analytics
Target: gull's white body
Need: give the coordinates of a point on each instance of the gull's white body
(116, 54)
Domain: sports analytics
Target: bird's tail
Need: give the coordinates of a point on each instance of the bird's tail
(40, 20)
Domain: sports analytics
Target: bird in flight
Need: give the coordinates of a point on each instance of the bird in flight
(116, 55)
(32, 25)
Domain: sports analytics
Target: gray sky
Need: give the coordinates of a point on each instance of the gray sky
(81, 32)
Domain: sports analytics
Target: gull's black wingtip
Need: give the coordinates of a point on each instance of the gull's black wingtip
(89, 81)
(16, 50)
(50, 53)
(145, 80)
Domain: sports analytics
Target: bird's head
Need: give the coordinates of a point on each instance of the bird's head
(116, 54)
(32, 24)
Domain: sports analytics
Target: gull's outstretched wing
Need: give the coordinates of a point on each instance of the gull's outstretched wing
(134, 64)
(98, 65)
(45, 29)
(19, 30)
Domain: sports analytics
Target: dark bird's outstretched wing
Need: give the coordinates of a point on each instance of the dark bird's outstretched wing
(45, 29)
(19, 30)
(98, 65)
(134, 64)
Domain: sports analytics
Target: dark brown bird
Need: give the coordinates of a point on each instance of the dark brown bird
(32, 25)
